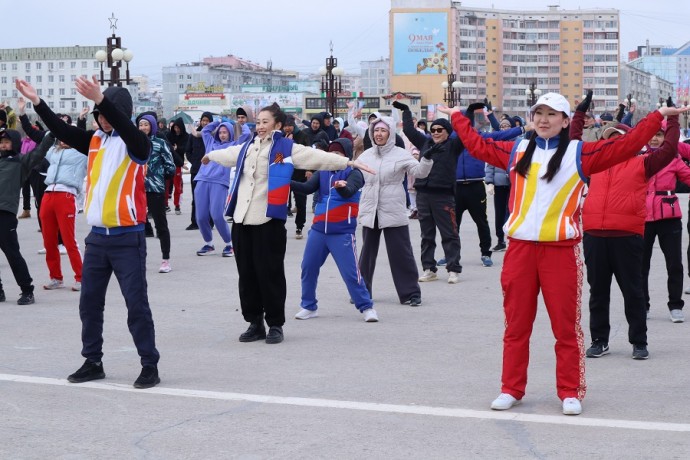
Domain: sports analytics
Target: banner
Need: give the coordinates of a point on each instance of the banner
(420, 43)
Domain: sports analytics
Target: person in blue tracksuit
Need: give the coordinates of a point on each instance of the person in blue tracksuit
(212, 183)
(333, 232)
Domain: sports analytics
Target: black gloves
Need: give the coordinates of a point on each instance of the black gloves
(584, 105)
(669, 102)
(401, 106)
(487, 104)
(433, 149)
(475, 106)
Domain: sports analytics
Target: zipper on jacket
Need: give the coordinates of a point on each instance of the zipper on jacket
(328, 204)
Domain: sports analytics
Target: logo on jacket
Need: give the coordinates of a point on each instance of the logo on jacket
(279, 158)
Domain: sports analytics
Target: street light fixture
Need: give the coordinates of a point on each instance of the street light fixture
(113, 56)
(533, 93)
(451, 91)
(331, 84)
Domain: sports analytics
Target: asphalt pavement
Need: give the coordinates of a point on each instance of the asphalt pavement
(417, 384)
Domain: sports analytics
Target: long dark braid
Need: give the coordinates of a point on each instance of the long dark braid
(522, 166)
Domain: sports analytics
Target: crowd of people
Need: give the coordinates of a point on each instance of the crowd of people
(559, 180)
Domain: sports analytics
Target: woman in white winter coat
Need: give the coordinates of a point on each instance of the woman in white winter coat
(382, 208)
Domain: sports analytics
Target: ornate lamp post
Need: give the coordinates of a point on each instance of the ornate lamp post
(532, 93)
(451, 91)
(113, 57)
(331, 82)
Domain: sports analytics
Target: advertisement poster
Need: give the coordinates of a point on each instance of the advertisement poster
(420, 43)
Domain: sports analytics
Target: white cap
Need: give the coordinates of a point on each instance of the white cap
(555, 101)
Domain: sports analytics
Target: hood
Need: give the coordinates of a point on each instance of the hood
(345, 147)
(341, 121)
(120, 98)
(230, 126)
(390, 143)
(207, 115)
(373, 115)
(16, 139)
(180, 123)
(152, 121)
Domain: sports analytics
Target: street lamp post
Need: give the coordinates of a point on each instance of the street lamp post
(451, 91)
(331, 84)
(113, 57)
(533, 93)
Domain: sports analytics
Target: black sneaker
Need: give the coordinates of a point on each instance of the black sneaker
(640, 352)
(501, 246)
(255, 331)
(298, 234)
(192, 227)
(167, 209)
(413, 301)
(598, 349)
(275, 334)
(88, 371)
(2, 296)
(148, 377)
(27, 298)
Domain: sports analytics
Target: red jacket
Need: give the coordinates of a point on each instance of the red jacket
(616, 198)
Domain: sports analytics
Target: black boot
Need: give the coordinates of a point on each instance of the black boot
(275, 334)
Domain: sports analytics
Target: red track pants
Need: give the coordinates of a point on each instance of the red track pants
(557, 271)
(176, 183)
(58, 213)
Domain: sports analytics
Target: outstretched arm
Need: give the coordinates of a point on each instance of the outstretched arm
(487, 150)
(70, 135)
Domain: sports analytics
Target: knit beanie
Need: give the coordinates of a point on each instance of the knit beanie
(240, 111)
(443, 123)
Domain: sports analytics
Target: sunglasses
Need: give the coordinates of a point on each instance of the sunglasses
(437, 130)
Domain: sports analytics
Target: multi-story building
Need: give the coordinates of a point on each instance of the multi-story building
(375, 77)
(224, 75)
(498, 54)
(643, 87)
(670, 64)
(52, 71)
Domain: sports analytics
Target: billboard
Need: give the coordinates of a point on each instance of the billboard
(420, 43)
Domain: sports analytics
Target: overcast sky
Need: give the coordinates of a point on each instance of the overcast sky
(294, 37)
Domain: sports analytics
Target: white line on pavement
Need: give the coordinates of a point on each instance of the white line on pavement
(365, 406)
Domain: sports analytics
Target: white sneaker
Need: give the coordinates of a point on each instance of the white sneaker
(370, 315)
(572, 406)
(165, 267)
(677, 316)
(41, 251)
(62, 249)
(306, 314)
(54, 284)
(453, 277)
(428, 276)
(77, 286)
(504, 402)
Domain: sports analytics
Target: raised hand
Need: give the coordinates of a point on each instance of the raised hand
(90, 89)
(670, 111)
(448, 110)
(21, 105)
(400, 106)
(27, 91)
(586, 102)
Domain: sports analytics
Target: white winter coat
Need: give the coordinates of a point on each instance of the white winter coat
(383, 195)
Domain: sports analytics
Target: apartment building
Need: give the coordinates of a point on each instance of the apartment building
(52, 71)
(498, 53)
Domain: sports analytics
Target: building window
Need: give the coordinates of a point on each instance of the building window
(39, 91)
(73, 92)
(84, 64)
(3, 67)
(61, 65)
(62, 91)
(96, 64)
(62, 104)
(28, 78)
(50, 91)
(3, 80)
(39, 79)
(61, 78)
(27, 66)
(14, 66)
(74, 105)
(51, 78)
(51, 65)
(3, 93)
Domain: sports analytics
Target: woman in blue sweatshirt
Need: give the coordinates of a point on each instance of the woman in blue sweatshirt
(212, 184)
